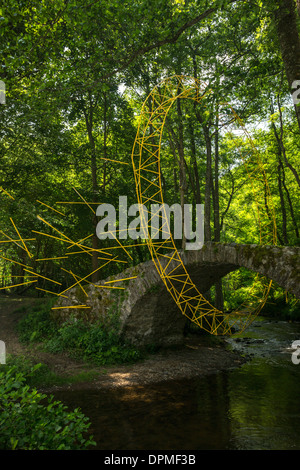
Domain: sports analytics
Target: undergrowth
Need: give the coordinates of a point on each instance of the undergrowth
(93, 342)
(30, 420)
(239, 285)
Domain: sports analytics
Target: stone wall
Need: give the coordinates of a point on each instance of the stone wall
(146, 311)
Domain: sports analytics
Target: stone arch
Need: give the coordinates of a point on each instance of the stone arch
(147, 312)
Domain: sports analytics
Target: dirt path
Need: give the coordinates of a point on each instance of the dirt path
(195, 358)
(11, 311)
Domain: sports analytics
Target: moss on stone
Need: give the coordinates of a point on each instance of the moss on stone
(80, 295)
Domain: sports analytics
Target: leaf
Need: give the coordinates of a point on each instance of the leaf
(14, 443)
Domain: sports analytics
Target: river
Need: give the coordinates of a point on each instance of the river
(253, 407)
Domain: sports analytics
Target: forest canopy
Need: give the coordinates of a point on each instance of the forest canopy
(76, 76)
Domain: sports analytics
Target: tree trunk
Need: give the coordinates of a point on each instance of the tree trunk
(89, 126)
(282, 203)
(207, 193)
(288, 36)
(104, 144)
(280, 140)
(207, 209)
(290, 203)
(182, 170)
(208, 178)
(196, 186)
(217, 229)
(219, 302)
(282, 184)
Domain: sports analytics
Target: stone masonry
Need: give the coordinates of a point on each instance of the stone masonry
(147, 313)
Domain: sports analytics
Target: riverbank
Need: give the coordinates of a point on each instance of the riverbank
(201, 396)
(194, 359)
(200, 355)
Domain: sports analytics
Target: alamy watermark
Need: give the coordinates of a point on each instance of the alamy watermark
(2, 353)
(296, 92)
(2, 92)
(296, 353)
(154, 223)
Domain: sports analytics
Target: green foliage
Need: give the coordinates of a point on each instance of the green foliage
(281, 305)
(30, 420)
(35, 375)
(93, 342)
(44, 376)
(37, 325)
(236, 287)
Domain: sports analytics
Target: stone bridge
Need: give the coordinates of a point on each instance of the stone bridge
(148, 314)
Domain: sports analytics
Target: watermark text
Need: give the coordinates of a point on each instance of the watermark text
(296, 353)
(2, 353)
(296, 92)
(153, 224)
(2, 92)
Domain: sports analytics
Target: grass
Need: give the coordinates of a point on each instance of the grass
(43, 376)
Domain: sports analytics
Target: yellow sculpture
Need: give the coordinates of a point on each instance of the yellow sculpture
(167, 259)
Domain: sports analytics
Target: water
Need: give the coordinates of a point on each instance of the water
(254, 407)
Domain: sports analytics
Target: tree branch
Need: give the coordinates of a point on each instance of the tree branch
(171, 39)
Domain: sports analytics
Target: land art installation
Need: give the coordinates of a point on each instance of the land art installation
(167, 257)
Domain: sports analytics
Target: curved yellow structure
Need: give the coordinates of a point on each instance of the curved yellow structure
(147, 171)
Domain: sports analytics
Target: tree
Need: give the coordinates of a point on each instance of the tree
(289, 41)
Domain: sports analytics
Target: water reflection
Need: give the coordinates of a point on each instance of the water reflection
(264, 393)
(253, 407)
